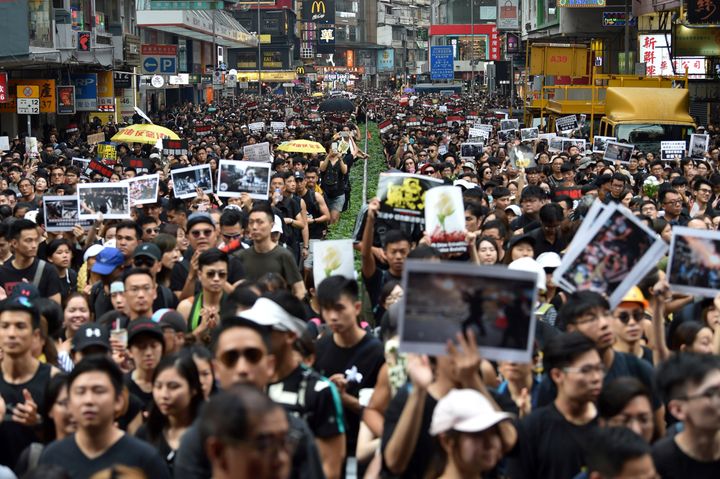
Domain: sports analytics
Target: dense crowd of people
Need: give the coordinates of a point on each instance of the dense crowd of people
(191, 341)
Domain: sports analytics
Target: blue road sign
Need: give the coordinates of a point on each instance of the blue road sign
(167, 65)
(442, 64)
(150, 64)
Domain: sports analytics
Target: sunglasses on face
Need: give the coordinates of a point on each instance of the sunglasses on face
(230, 357)
(231, 237)
(220, 274)
(625, 317)
(141, 261)
(198, 233)
(152, 230)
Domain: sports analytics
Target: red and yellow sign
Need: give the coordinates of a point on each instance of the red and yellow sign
(48, 101)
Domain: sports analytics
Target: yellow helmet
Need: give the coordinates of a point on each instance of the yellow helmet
(635, 296)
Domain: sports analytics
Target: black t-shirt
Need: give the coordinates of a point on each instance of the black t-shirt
(672, 463)
(320, 406)
(68, 284)
(49, 281)
(367, 357)
(548, 446)
(161, 444)
(128, 451)
(100, 300)
(426, 444)
(145, 398)
(375, 283)
(180, 271)
(544, 246)
(14, 436)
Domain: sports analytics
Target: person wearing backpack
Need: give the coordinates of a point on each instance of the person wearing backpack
(332, 172)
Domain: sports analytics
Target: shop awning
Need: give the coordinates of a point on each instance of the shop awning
(198, 24)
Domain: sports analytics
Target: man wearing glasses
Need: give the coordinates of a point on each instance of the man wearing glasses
(627, 325)
(673, 206)
(702, 192)
(148, 256)
(690, 383)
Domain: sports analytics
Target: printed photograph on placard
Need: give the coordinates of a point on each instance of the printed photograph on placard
(600, 143)
(505, 136)
(694, 262)
(445, 219)
(528, 134)
(511, 124)
(332, 257)
(615, 151)
(471, 150)
(522, 156)
(402, 196)
(237, 177)
(568, 143)
(442, 299)
(61, 213)
(144, 189)
(555, 143)
(112, 200)
(699, 145)
(186, 181)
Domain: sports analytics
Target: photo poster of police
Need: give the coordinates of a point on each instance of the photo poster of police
(615, 151)
(672, 150)
(402, 196)
(568, 143)
(468, 151)
(529, 134)
(186, 181)
(610, 255)
(699, 145)
(238, 177)
(442, 299)
(112, 200)
(600, 143)
(694, 261)
(258, 152)
(506, 136)
(511, 124)
(61, 213)
(143, 189)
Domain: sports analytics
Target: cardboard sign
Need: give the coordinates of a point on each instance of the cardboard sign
(95, 138)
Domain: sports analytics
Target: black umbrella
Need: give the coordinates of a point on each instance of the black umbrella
(337, 104)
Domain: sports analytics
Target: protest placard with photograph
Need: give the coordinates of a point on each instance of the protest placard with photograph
(468, 151)
(600, 143)
(445, 219)
(555, 143)
(31, 146)
(568, 143)
(672, 150)
(110, 199)
(402, 196)
(505, 136)
(442, 299)
(698, 145)
(694, 262)
(95, 138)
(237, 177)
(510, 124)
(258, 152)
(143, 189)
(81, 163)
(66, 101)
(61, 213)
(528, 134)
(566, 124)
(187, 180)
(611, 256)
(615, 151)
(175, 147)
(547, 136)
(332, 257)
(522, 156)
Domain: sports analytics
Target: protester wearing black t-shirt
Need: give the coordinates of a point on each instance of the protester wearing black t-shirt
(350, 356)
(550, 439)
(23, 266)
(690, 383)
(95, 398)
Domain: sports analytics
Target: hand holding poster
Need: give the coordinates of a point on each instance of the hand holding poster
(443, 299)
(445, 219)
(402, 196)
(238, 177)
(694, 262)
(522, 156)
(186, 181)
(699, 145)
(615, 151)
(95, 138)
(672, 150)
(112, 200)
(600, 143)
(143, 189)
(566, 124)
(529, 134)
(332, 257)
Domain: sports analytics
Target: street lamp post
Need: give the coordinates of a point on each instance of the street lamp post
(472, 46)
(259, 51)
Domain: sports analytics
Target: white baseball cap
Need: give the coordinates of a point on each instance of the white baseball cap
(92, 251)
(549, 259)
(465, 410)
(277, 225)
(532, 266)
(267, 312)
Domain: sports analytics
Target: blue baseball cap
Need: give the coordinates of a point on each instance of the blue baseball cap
(107, 260)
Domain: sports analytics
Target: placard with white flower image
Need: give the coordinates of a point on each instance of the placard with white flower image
(333, 257)
(445, 219)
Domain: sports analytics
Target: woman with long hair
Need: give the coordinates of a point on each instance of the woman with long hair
(177, 397)
(60, 254)
(170, 256)
(76, 312)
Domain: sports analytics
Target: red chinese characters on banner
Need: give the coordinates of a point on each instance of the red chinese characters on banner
(3, 88)
(655, 53)
(494, 44)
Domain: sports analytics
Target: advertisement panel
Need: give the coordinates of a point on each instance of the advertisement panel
(655, 53)
(48, 103)
(700, 42)
(386, 60)
(106, 91)
(66, 100)
(318, 11)
(507, 15)
(86, 91)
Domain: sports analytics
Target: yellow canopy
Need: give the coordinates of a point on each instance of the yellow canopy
(146, 133)
(648, 105)
(302, 146)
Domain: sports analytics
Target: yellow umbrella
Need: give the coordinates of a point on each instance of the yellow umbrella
(318, 94)
(302, 146)
(145, 133)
